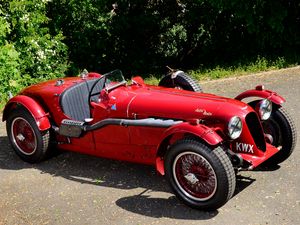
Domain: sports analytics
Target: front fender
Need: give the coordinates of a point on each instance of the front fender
(203, 132)
(32, 106)
(261, 93)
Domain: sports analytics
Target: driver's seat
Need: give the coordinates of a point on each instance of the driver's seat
(75, 100)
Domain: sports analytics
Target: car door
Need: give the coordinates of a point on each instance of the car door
(112, 141)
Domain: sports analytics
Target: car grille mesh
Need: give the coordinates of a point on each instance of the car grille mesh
(256, 131)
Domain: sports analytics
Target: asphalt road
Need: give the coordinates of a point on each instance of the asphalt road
(77, 189)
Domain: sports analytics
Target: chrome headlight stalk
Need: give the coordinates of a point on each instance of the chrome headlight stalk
(264, 109)
(235, 127)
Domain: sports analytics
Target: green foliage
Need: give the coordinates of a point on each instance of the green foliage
(42, 55)
(9, 63)
(135, 36)
(86, 25)
(172, 41)
(29, 52)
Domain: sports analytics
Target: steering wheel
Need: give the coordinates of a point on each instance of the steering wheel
(96, 88)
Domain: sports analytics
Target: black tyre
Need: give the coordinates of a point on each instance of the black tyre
(30, 144)
(201, 177)
(282, 129)
(181, 81)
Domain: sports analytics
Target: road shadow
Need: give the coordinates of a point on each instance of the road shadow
(266, 168)
(115, 174)
(147, 205)
(86, 169)
(242, 182)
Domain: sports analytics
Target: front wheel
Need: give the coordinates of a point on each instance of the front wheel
(201, 177)
(281, 127)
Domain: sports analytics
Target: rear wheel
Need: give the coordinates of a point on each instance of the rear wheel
(201, 177)
(27, 140)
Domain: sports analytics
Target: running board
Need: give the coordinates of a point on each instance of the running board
(72, 128)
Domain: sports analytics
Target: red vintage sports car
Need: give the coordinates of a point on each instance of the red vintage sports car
(198, 140)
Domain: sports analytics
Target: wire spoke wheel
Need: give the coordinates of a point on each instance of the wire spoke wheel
(194, 176)
(27, 140)
(201, 176)
(23, 136)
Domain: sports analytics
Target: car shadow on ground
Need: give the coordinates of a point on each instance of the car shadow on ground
(266, 168)
(120, 175)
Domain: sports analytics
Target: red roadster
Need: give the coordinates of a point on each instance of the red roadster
(198, 140)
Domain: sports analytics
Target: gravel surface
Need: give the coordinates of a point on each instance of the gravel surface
(78, 189)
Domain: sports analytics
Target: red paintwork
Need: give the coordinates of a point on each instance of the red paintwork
(272, 96)
(32, 106)
(138, 80)
(204, 132)
(257, 160)
(206, 117)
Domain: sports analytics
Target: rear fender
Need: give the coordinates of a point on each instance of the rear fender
(33, 108)
(202, 132)
(260, 92)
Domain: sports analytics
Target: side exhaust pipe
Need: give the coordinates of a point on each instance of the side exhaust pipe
(72, 128)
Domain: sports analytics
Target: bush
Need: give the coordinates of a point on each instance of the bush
(9, 63)
(42, 54)
(29, 52)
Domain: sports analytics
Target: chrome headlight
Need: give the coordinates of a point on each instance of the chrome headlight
(235, 127)
(264, 109)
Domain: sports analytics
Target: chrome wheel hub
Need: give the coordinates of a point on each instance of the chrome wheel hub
(20, 137)
(190, 177)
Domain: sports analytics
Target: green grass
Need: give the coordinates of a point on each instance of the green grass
(259, 65)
